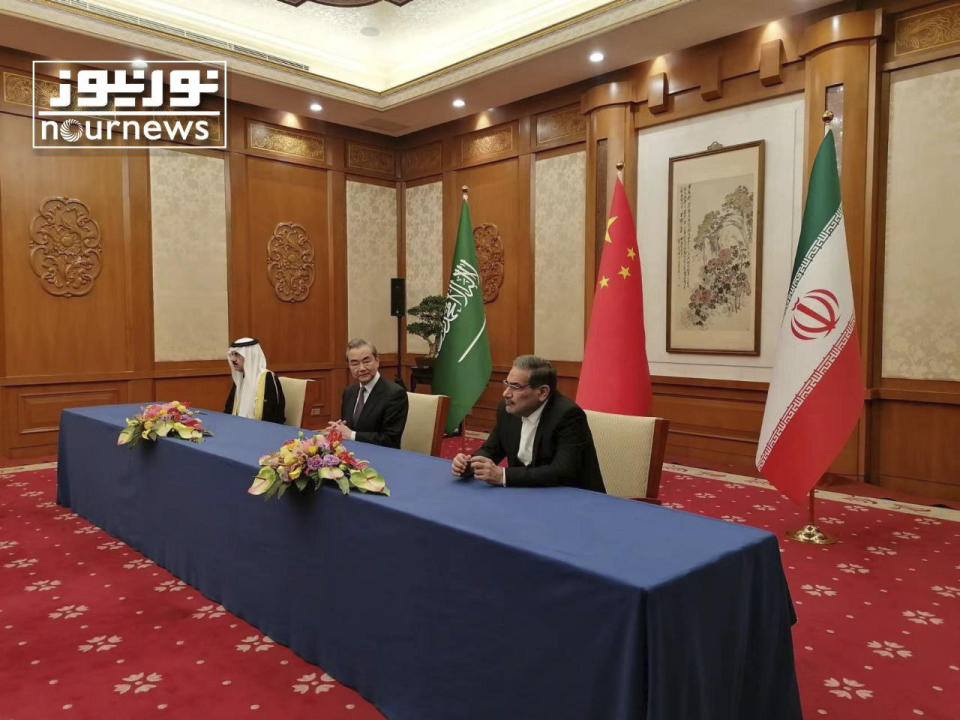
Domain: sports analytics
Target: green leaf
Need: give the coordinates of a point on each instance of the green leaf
(344, 484)
(301, 483)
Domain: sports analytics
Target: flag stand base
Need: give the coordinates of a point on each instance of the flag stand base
(811, 534)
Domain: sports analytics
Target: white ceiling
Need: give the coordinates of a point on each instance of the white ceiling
(490, 52)
(420, 38)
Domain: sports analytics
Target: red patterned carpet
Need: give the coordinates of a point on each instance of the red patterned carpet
(90, 628)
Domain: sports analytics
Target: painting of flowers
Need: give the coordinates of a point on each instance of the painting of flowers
(714, 251)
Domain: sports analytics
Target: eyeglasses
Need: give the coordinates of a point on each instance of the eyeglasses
(516, 387)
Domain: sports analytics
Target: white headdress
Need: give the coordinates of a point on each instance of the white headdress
(246, 382)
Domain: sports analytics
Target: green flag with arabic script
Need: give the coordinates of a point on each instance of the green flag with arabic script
(463, 365)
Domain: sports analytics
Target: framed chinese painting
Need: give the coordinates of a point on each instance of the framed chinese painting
(714, 251)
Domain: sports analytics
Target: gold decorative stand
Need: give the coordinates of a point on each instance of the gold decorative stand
(810, 533)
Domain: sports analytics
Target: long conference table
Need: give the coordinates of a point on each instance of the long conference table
(452, 599)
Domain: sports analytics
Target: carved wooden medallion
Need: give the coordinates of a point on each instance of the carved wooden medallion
(65, 247)
(290, 265)
(490, 258)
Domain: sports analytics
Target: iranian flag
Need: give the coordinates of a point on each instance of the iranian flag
(816, 391)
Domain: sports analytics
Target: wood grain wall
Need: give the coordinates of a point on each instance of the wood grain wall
(98, 347)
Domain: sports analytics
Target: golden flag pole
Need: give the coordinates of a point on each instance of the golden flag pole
(463, 423)
(810, 533)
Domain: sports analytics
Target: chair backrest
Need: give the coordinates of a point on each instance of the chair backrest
(630, 450)
(426, 420)
(294, 392)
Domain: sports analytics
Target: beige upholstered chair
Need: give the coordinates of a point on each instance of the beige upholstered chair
(294, 393)
(630, 450)
(426, 419)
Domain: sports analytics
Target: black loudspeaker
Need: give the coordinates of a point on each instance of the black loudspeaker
(398, 297)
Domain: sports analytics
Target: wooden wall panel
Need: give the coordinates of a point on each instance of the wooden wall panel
(713, 423)
(206, 392)
(496, 198)
(914, 447)
(32, 414)
(496, 143)
(291, 333)
(46, 334)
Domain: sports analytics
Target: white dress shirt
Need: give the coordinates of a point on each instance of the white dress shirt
(528, 433)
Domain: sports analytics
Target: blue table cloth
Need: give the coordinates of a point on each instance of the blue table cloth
(452, 599)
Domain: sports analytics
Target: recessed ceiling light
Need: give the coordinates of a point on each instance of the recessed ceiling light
(316, 107)
(138, 62)
(370, 31)
(596, 56)
(459, 103)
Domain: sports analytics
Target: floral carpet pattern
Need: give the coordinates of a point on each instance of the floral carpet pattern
(89, 628)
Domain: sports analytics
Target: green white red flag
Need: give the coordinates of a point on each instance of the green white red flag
(816, 390)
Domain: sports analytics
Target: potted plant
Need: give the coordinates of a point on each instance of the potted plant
(429, 326)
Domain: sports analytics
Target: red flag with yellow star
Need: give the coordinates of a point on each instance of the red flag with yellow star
(615, 375)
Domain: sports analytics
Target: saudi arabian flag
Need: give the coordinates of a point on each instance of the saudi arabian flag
(816, 390)
(463, 365)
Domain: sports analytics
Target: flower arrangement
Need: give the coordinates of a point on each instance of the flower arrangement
(163, 420)
(301, 461)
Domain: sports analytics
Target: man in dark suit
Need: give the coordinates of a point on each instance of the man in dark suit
(544, 435)
(374, 410)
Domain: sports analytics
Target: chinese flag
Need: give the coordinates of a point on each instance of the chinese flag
(615, 376)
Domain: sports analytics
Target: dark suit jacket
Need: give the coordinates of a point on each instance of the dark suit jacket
(563, 450)
(384, 413)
